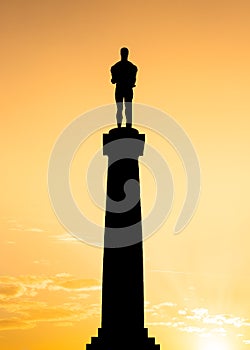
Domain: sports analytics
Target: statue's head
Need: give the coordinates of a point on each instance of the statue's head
(124, 53)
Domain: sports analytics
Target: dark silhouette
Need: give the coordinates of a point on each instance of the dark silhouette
(122, 326)
(124, 76)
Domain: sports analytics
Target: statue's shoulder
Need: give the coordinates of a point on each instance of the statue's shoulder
(133, 66)
(115, 66)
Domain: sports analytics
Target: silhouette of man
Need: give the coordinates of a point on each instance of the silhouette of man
(124, 76)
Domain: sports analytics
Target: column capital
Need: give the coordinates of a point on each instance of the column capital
(123, 143)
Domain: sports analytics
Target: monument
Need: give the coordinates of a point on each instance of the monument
(122, 320)
(124, 76)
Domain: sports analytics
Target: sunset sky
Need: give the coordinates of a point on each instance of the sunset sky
(193, 60)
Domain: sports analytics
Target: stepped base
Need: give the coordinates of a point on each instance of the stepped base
(120, 341)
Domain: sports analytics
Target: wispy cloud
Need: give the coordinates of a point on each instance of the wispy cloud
(75, 284)
(44, 262)
(30, 285)
(172, 272)
(14, 225)
(34, 229)
(60, 315)
(198, 320)
(65, 238)
(14, 323)
(19, 299)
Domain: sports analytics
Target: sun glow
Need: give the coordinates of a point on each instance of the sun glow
(214, 344)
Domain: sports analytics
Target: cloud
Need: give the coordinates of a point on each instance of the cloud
(29, 316)
(44, 262)
(172, 272)
(8, 290)
(25, 229)
(167, 304)
(76, 284)
(198, 320)
(193, 329)
(14, 225)
(22, 300)
(34, 229)
(14, 323)
(65, 238)
(31, 285)
(64, 324)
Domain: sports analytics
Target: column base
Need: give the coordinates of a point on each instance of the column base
(138, 340)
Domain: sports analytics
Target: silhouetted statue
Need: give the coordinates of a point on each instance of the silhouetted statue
(124, 76)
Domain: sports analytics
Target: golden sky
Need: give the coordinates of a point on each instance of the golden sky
(193, 59)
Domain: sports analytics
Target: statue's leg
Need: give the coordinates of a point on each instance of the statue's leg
(128, 107)
(119, 113)
(119, 105)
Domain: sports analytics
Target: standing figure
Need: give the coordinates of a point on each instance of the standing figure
(124, 76)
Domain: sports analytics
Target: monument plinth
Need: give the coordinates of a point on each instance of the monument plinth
(122, 325)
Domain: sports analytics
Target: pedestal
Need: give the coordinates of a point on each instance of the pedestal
(122, 325)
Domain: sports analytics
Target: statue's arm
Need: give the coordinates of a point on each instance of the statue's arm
(113, 75)
(135, 69)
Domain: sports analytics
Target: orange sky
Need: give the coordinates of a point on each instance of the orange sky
(193, 59)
